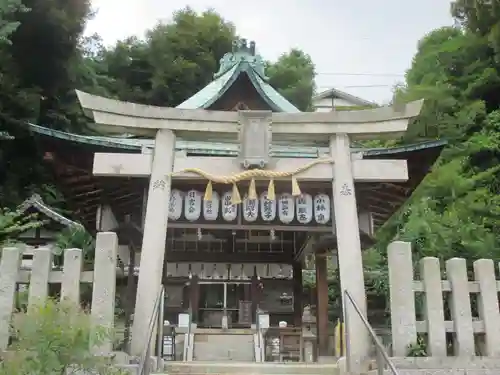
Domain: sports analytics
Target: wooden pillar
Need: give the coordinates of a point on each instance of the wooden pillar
(254, 296)
(194, 297)
(322, 303)
(247, 292)
(297, 294)
(153, 241)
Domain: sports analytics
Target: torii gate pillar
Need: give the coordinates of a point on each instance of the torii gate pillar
(153, 240)
(349, 251)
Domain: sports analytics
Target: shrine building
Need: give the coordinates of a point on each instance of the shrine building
(221, 198)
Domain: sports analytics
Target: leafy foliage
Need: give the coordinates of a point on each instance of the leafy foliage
(8, 26)
(13, 223)
(454, 213)
(294, 67)
(53, 338)
(76, 237)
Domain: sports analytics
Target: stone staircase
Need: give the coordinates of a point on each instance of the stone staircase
(246, 368)
(443, 366)
(218, 345)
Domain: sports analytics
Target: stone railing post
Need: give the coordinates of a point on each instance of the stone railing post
(402, 300)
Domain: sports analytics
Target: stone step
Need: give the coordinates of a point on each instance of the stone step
(223, 347)
(249, 368)
(219, 331)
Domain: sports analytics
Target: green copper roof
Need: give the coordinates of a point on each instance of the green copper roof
(242, 60)
(220, 148)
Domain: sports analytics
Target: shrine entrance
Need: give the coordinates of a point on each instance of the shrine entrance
(257, 171)
(229, 298)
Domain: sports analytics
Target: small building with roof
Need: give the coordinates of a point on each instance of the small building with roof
(337, 100)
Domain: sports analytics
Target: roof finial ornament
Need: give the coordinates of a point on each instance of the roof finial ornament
(241, 46)
(242, 52)
(252, 48)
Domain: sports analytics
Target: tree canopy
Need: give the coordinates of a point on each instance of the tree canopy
(44, 57)
(455, 211)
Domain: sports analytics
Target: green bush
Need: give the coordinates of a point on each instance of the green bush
(54, 338)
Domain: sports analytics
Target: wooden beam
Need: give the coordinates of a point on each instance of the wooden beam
(139, 165)
(251, 227)
(257, 257)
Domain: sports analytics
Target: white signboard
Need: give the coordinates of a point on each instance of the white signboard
(250, 209)
(267, 207)
(211, 207)
(192, 205)
(263, 321)
(175, 205)
(322, 208)
(304, 205)
(229, 210)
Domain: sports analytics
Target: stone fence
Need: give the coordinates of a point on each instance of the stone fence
(458, 315)
(42, 273)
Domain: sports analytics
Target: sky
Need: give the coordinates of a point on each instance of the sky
(362, 47)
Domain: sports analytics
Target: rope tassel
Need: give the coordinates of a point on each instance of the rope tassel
(295, 187)
(208, 191)
(252, 191)
(236, 197)
(271, 194)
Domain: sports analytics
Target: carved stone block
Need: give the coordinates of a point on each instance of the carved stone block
(255, 138)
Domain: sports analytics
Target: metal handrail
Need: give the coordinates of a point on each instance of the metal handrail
(145, 354)
(382, 355)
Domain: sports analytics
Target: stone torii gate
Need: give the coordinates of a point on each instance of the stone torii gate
(256, 130)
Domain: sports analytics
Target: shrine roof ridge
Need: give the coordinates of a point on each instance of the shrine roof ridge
(207, 96)
(37, 203)
(243, 59)
(219, 149)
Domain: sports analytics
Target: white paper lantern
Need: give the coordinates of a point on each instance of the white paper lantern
(229, 210)
(211, 207)
(322, 208)
(250, 209)
(304, 206)
(192, 205)
(286, 208)
(267, 207)
(175, 205)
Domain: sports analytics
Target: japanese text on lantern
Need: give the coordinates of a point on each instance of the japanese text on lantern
(268, 207)
(250, 212)
(304, 208)
(322, 208)
(191, 201)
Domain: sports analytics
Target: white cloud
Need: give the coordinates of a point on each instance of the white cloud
(355, 36)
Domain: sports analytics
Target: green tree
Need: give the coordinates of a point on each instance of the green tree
(293, 76)
(13, 223)
(7, 24)
(43, 50)
(455, 211)
(179, 58)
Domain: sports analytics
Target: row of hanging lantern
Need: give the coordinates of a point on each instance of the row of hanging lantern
(287, 208)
